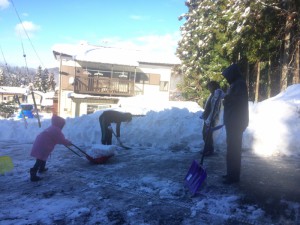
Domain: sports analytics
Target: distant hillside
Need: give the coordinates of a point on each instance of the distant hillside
(23, 70)
(16, 72)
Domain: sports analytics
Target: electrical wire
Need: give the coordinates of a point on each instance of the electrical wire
(4, 61)
(24, 55)
(27, 34)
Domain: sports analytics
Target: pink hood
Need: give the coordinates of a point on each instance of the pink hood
(45, 142)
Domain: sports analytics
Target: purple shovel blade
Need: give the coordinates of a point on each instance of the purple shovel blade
(195, 177)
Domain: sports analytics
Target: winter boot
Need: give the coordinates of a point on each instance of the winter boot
(43, 167)
(33, 176)
(43, 170)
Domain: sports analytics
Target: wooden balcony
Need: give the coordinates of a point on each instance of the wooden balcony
(104, 86)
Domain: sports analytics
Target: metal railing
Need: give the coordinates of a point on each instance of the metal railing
(104, 86)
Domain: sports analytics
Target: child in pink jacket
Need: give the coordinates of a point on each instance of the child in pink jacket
(44, 144)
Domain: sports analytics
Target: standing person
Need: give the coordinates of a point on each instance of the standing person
(236, 119)
(210, 116)
(105, 120)
(44, 144)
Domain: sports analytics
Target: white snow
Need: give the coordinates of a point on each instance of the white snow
(114, 55)
(99, 150)
(273, 130)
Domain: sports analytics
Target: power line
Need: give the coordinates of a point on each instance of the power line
(27, 36)
(24, 55)
(4, 61)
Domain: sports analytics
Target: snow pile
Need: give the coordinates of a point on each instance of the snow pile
(164, 138)
(273, 126)
(99, 150)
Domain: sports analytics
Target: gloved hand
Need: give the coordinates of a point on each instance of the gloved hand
(109, 128)
(207, 122)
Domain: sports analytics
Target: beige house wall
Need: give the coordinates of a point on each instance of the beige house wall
(72, 107)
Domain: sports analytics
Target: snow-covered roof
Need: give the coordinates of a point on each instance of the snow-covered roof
(48, 95)
(47, 98)
(12, 90)
(111, 55)
(86, 96)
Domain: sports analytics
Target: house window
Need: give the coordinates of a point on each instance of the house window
(164, 86)
(148, 78)
(141, 78)
(154, 79)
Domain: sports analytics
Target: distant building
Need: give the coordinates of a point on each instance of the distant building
(94, 77)
(7, 93)
(44, 101)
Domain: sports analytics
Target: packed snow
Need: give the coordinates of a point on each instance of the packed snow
(273, 127)
(156, 127)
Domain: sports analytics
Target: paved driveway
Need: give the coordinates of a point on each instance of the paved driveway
(145, 186)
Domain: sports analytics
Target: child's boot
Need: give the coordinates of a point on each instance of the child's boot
(43, 170)
(33, 176)
(43, 167)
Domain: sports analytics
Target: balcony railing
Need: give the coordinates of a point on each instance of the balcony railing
(103, 86)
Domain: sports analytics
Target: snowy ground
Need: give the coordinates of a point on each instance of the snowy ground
(145, 185)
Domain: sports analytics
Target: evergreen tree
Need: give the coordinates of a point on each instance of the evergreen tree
(254, 34)
(2, 77)
(7, 109)
(51, 82)
(38, 82)
(204, 48)
(45, 83)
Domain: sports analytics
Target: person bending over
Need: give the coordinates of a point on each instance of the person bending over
(105, 120)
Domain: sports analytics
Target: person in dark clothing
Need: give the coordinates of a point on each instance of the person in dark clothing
(236, 119)
(210, 115)
(105, 120)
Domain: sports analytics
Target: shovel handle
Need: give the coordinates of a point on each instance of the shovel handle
(72, 151)
(112, 130)
(83, 152)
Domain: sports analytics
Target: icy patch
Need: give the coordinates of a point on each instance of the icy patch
(79, 213)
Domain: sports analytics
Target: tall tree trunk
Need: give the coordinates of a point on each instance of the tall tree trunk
(296, 76)
(257, 81)
(269, 80)
(285, 58)
(291, 15)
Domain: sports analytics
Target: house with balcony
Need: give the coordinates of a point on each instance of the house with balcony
(95, 77)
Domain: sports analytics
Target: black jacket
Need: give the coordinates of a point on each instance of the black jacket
(111, 116)
(236, 112)
(208, 107)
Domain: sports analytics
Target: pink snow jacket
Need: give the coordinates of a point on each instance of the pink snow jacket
(47, 139)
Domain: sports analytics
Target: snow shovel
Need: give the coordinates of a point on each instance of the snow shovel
(197, 173)
(99, 160)
(6, 164)
(119, 141)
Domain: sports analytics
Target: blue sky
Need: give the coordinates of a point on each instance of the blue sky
(140, 24)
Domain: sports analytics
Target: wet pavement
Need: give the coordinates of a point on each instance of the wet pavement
(268, 182)
(145, 186)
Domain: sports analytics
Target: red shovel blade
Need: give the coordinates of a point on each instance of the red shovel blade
(195, 177)
(98, 160)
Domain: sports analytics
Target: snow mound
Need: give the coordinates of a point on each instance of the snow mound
(99, 150)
